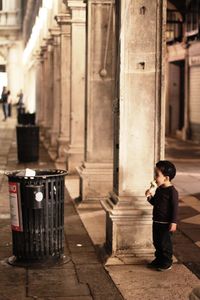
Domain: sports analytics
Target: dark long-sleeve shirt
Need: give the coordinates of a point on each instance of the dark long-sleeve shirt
(165, 204)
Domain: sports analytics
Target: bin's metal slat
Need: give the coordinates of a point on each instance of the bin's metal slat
(46, 218)
(51, 217)
(56, 215)
(62, 182)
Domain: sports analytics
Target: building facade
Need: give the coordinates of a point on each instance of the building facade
(108, 79)
(183, 50)
(11, 46)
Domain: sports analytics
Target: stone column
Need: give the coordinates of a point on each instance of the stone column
(76, 147)
(64, 21)
(97, 168)
(39, 83)
(43, 87)
(55, 33)
(49, 92)
(40, 90)
(14, 68)
(139, 126)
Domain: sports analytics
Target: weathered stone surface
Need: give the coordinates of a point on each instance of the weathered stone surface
(93, 275)
(144, 283)
(55, 283)
(12, 282)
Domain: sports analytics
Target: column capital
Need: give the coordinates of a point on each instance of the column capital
(37, 55)
(99, 1)
(75, 4)
(78, 11)
(48, 40)
(63, 19)
(43, 49)
(55, 34)
(55, 31)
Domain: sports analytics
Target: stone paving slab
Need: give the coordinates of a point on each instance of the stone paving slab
(12, 282)
(55, 283)
(99, 281)
(146, 284)
(64, 298)
(83, 258)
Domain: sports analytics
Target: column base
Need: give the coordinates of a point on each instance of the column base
(47, 135)
(96, 180)
(75, 158)
(53, 139)
(128, 229)
(62, 158)
(53, 153)
(42, 132)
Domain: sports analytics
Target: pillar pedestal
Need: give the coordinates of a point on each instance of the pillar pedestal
(75, 156)
(128, 229)
(96, 180)
(63, 146)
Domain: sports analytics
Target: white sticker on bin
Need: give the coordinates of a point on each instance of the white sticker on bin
(29, 172)
(38, 196)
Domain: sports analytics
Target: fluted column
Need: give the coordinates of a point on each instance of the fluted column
(97, 168)
(139, 125)
(64, 21)
(76, 147)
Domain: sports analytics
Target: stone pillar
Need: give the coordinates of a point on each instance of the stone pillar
(40, 90)
(76, 147)
(49, 92)
(97, 168)
(139, 125)
(64, 21)
(55, 32)
(43, 86)
(14, 68)
(39, 112)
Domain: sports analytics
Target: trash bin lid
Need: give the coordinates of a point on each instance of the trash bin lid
(43, 174)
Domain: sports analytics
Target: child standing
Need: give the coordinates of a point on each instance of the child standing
(165, 210)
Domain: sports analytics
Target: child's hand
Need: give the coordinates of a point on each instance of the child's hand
(172, 227)
(148, 193)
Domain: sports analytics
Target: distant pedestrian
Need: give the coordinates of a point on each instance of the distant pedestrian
(20, 99)
(165, 211)
(9, 100)
(4, 99)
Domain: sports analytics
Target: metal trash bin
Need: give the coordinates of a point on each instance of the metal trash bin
(27, 143)
(27, 119)
(20, 112)
(37, 216)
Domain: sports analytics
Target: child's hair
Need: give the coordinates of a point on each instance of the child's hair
(167, 168)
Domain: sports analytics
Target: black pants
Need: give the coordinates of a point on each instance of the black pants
(162, 240)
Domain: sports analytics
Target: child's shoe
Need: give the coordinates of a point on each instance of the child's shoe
(154, 264)
(164, 268)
